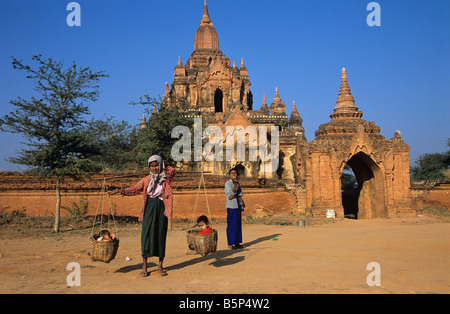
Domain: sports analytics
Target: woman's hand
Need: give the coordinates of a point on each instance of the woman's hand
(114, 192)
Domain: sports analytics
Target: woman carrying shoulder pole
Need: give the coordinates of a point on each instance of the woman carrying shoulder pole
(156, 212)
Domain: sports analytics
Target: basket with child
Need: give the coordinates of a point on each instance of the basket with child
(103, 246)
(202, 239)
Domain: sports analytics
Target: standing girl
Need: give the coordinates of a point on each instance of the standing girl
(157, 208)
(233, 194)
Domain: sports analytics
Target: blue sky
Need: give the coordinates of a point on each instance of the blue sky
(399, 73)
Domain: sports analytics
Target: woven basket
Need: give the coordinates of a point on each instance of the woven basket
(103, 251)
(202, 244)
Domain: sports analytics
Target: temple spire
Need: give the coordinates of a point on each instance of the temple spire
(143, 124)
(277, 96)
(205, 17)
(345, 98)
(206, 37)
(294, 108)
(278, 107)
(345, 104)
(295, 116)
(264, 108)
(296, 122)
(166, 90)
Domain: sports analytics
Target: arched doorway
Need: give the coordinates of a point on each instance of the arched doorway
(218, 101)
(350, 193)
(241, 170)
(366, 198)
(250, 101)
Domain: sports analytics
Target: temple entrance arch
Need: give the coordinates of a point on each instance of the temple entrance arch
(380, 166)
(366, 199)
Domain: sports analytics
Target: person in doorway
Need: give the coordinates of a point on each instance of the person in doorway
(233, 194)
(156, 212)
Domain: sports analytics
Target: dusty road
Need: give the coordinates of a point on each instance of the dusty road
(413, 254)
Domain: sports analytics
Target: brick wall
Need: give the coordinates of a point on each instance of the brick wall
(38, 196)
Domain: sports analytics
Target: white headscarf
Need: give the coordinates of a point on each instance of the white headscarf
(160, 177)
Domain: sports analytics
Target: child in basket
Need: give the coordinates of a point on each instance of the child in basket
(203, 224)
(105, 236)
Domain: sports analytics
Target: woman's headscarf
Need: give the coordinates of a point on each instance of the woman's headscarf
(160, 177)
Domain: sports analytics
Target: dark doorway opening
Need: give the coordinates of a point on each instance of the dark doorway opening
(365, 199)
(350, 193)
(218, 101)
(250, 101)
(240, 168)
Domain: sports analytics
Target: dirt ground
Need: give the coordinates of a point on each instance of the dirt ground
(413, 254)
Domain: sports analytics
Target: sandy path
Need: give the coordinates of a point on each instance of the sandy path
(413, 253)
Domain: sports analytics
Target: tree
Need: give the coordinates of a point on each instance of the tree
(431, 166)
(348, 179)
(111, 143)
(156, 138)
(53, 123)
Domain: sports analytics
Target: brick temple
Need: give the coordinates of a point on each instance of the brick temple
(220, 93)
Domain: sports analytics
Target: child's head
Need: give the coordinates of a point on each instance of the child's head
(202, 222)
(105, 234)
(233, 173)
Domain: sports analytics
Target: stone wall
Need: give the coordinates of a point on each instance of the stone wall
(431, 194)
(38, 198)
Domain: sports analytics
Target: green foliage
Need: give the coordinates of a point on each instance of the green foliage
(156, 138)
(348, 179)
(17, 216)
(54, 122)
(110, 142)
(438, 211)
(431, 166)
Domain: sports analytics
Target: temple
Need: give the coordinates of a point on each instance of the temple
(220, 93)
(380, 166)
